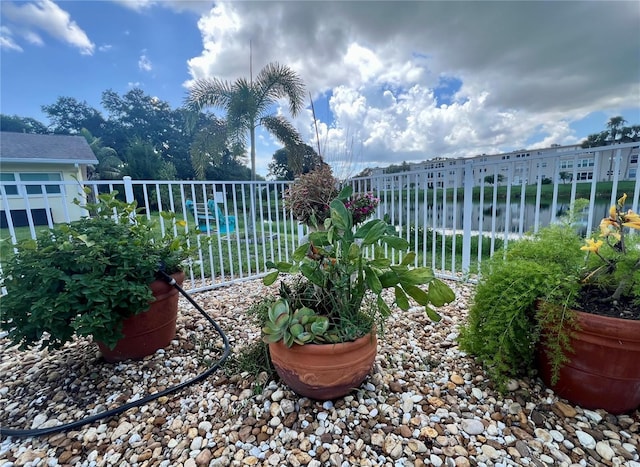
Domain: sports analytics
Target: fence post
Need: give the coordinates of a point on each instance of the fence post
(128, 189)
(467, 214)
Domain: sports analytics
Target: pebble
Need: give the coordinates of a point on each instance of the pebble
(586, 440)
(423, 404)
(472, 427)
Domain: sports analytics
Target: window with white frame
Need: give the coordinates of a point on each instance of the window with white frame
(589, 162)
(566, 164)
(12, 189)
(585, 176)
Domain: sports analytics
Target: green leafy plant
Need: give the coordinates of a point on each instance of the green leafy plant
(341, 282)
(87, 276)
(536, 283)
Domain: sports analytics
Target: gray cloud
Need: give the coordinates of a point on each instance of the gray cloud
(526, 67)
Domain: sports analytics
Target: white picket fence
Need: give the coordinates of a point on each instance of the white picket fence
(450, 219)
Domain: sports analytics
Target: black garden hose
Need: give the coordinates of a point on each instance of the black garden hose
(137, 403)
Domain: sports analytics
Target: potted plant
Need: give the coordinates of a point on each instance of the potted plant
(97, 277)
(309, 196)
(568, 307)
(322, 331)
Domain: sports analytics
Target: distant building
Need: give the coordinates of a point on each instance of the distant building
(557, 163)
(48, 159)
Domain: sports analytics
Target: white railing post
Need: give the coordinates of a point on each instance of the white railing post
(467, 218)
(128, 189)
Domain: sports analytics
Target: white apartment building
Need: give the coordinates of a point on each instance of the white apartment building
(560, 164)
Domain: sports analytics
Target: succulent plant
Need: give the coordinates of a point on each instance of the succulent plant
(301, 326)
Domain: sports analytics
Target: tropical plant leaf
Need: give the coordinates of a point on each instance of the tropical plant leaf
(439, 293)
(270, 278)
(401, 298)
(395, 242)
(340, 216)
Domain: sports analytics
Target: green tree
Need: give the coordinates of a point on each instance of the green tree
(249, 103)
(595, 140)
(22, 124)
(144, 163)
(136, 117)
(565, 176)
(212, 147)
(615, 132)
(110, 166)
(288, 162)
(393, 168)
(615, 125)
(491, 179)
(69, 116)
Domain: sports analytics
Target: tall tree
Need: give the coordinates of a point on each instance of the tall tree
(614, 125)
(21, 124)
(69, 116)
(249, 103)
(110, 166)
(144, 163)
(289, 162)
(615, 132)
(136, 116)
(211, 146)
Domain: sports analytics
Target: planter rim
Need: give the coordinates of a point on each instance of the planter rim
(328, 347)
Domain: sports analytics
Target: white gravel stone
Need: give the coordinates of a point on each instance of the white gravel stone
(472, 426)
(390, 420)
(604, 449)
(586, 440)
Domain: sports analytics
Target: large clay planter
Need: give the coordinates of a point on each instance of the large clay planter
(325, 371)
(604, 371)
(149, 331)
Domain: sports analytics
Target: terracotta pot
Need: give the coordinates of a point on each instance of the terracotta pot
(604, 371)
(149, 331)
(325, 371)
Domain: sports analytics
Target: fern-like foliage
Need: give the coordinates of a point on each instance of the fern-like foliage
(504, 324)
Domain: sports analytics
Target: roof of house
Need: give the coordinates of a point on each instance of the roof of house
(30, 148)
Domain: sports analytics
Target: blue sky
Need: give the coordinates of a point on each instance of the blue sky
(391, 81)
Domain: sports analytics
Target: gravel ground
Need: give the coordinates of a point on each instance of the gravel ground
(425, 403)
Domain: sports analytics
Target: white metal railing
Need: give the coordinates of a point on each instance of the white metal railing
(450, 219)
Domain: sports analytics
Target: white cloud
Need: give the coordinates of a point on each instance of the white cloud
(144, 63)
(527, 70)
(46, 16)
(8, 43)
(105, 48)
(33, 38)
(6, 40)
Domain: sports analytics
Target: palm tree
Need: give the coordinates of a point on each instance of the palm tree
(614, 125)
(248, 104)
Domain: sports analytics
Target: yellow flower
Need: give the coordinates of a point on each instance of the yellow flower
(631, 216)
(631, 219)
(608, 227)
(592, 245)
(622, 200)
(613, 212)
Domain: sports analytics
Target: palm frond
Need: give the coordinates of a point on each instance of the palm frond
(276, 81)
(209, 92)
(282, 129)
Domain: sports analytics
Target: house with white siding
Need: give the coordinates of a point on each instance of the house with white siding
(45, 159)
